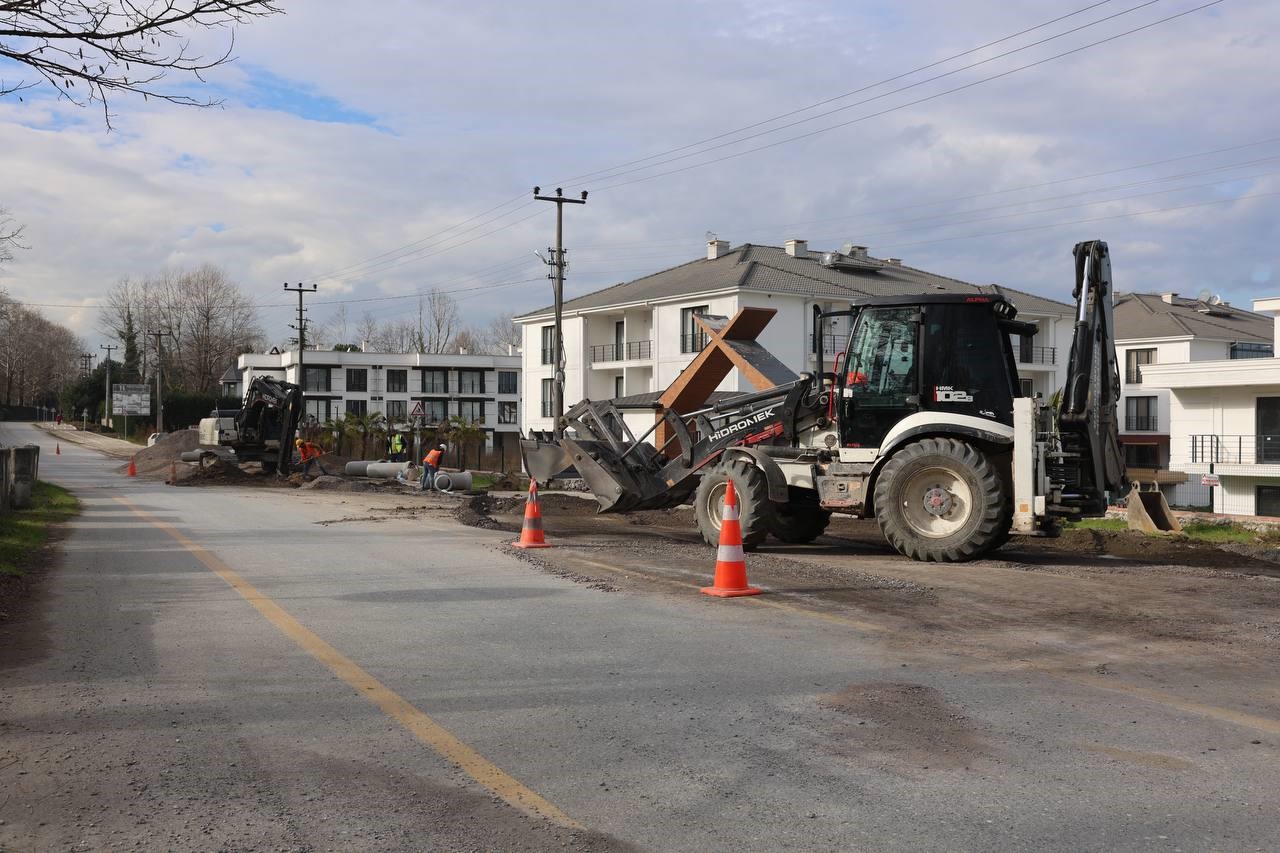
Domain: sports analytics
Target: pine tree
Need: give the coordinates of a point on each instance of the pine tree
(132, 357)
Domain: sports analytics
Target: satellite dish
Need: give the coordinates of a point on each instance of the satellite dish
(1203, 295)
(1216, 299)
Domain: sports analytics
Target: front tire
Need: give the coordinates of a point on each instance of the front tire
(754, 509)
(941, 500)
(801, 520)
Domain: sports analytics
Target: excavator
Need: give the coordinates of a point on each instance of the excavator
(261, 430)
(919, 424)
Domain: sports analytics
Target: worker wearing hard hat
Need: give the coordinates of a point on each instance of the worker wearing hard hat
(309, 453)
(431, 464)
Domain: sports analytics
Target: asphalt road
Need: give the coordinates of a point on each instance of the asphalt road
(254, 669)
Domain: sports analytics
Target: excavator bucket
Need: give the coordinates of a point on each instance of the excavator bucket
(1148, 512)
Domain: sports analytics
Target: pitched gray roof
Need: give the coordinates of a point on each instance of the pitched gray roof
(1147, 315)
(770, 269)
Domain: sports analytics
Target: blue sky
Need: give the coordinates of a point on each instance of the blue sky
(348, 152)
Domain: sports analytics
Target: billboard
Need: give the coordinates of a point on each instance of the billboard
(130, 400)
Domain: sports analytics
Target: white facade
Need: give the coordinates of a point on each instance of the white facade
(1224, 418)
(483, 389)
(647, 352)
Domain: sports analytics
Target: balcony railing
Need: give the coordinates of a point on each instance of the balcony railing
(1236, 449)
(547, 406)
(693, 343)
(831, 344)
(548, 355)
(1037, 355)
(622, 352)
(1141, 423)
(1133, 376)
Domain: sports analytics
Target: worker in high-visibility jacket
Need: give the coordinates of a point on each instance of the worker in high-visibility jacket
(309, 453)
(431, 464)
(397, 447)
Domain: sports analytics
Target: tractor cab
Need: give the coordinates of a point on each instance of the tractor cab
(944, 355)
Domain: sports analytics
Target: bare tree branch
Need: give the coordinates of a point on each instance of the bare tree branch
(89, 49)
(10, 236)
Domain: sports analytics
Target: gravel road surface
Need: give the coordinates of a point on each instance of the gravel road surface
(252, 669)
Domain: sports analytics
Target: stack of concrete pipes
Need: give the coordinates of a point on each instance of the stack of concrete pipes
(19, 468)
(445, 481)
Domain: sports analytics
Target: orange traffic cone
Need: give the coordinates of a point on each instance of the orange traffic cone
(531, 532)
(133, 466)
(731, 563)
(57, 449)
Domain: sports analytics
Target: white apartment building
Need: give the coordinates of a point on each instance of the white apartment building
(482, 389)
(1225, 421)
(630, 341)
(1155, 329)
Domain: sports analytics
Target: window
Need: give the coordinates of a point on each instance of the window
(435, 411)
(357, 379)
(470, 381)
(548, 345)
(508, 382)
(617, 387)
(397, 410)
(471, 411)
(318, 411)
(507, 413)
(397, 381)
(315, 379)
(1268, 501)
(1026, 349)
(1025, 386)
(435, 382)
(880, 375)
(1133, 361)
(1141, 456)
(1140, 414)
(548, 396)
(692, 338)
(1252, 350)
(357, 407)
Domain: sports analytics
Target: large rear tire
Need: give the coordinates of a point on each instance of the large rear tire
(754, 509)
(941, 500)
(801, 520)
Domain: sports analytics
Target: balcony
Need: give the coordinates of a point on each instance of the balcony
(1236, 449)
(548, 355)
(547, 406)
(1133, 376)
(1037, 355)
(1141, 423)
(629, 351)
(831, 344)
(693, 343)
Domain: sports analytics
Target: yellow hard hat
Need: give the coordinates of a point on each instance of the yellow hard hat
(297, 442)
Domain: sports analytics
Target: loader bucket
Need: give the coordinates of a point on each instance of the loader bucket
(544, 460)
(625, 483)
(1148, 512)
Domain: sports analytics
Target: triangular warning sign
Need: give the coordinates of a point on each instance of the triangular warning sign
(418, 410)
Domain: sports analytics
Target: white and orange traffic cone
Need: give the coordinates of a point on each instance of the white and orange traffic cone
(531, 533)
(133, 466)
(731, 562)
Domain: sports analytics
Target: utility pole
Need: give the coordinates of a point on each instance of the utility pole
(557, 276)
(106, 406)
(159, 372)
(86, 362)
(302, 337)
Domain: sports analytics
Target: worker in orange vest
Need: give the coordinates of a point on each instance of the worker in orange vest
(431, 464)
(309, 453)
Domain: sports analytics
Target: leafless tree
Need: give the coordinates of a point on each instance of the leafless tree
(90, 49)
(10, 236)
(467, 341)
(207, 319)
(442, 321)
(367, 329)
(38, 358)
(500, 334)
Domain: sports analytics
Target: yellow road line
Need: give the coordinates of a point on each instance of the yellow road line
(1253, 721)
(426, 730)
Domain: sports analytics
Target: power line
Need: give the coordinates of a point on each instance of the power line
(903, 106)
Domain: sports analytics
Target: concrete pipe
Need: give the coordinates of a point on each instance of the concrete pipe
(383, 470)
(356, 469)
(192, 455)
(450, 481)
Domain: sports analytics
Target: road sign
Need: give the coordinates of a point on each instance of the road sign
(419, 411)
(1210, 480)
(131, 400)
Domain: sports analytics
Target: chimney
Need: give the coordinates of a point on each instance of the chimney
(716, 248)
(364, 346)
(1168, 297)
(855, 251)
(893, 262)
(1271, 306)
(798, 248)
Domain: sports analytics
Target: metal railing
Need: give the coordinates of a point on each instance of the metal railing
(1133, 376)
(547, 406)
(621, 352)
(831, 344)
(694, 342)
(548, 355)
(1037, 355)
(1141, 423)
(1236, 449)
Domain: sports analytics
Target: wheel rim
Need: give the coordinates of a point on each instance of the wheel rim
(715, 503)
(936, 502)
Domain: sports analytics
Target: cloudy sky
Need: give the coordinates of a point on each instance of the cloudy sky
(384, 153)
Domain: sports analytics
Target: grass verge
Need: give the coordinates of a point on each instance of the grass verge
(24, 531)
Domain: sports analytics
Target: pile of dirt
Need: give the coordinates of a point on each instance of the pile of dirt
(157, 460)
